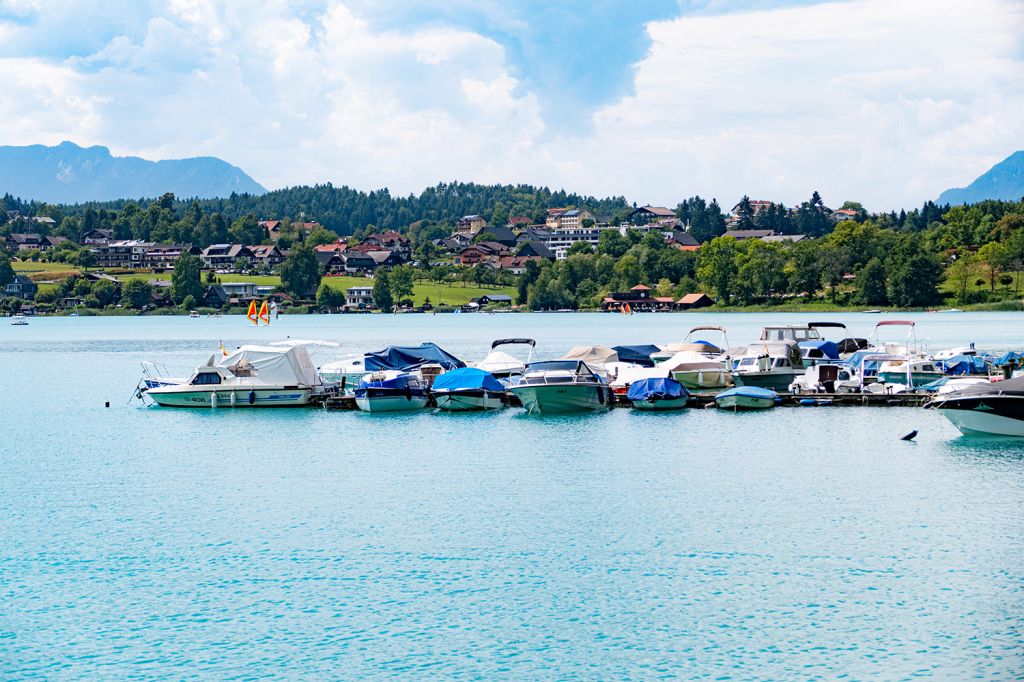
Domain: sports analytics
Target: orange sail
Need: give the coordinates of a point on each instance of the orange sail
(252, 313)
(264, 313)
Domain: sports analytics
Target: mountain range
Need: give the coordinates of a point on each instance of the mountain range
(69, 174)
(1004, 181)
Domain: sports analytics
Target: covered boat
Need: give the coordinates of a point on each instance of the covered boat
(561, 387)
(820, 350)
(994, 408)
(251, 376)
(408, 358)
(962, 365)
(658, 394)
(503, 365)
(746, 398)
(595, 356)
(696, 371)
(466, 389)
(637, 355)
(391, 391)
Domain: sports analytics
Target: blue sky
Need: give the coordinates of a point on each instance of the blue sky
(883, 101)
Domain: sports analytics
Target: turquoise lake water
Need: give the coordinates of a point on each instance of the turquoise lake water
(800, 543)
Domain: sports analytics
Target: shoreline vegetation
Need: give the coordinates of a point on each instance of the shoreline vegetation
(473, 247)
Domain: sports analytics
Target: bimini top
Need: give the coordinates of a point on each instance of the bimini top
(272, 365)
(828, 349)
(467, 378)
(661, 388)
(406, 358)
(638, 355)
(592, 355)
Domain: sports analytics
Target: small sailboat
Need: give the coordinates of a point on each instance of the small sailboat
(657, 394)
(746, 398)
(467, 389)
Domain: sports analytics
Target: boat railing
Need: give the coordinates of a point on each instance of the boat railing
(556, 378)
(154, 370)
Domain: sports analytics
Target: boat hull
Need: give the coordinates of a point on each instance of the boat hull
(661, 405)
(744, 402)
(703, 379)
(987, 416)
(563, 399)
(388, 400)
(776, 381)
(916, 378)
(243, 397)
(471, 400)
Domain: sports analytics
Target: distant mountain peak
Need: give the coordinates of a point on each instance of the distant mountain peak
(68, 173)
(1004, 181)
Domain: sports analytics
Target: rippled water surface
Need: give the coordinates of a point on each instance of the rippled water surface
(801, 543)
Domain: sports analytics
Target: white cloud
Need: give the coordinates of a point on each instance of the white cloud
(887, 102)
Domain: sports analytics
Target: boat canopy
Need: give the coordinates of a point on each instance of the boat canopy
(689, 360)
(638, 355)
(960, 365)
(272, 365)
(1012, 356)
(657, 388)
(406, 358)
(828, 348)
(508, 342)
(390, 379)
(692, 346)
(592, 355)
(501, 362)
(467, 378)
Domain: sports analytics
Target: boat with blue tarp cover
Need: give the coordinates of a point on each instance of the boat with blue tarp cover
(658, 393)
(961, 365)
(468, 389)
(391, 391)
(819, 350)
(408, 358)
(747, 398)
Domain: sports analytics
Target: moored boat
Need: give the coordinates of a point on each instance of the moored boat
(502, 365)
(746, 398)
(993, 408)
(19, 320)
(657, 394)
(772, 365)
(468, 389)
(561, 387)
(391, 391)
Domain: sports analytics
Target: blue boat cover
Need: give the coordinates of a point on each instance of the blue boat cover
(708, 343)
(959, 365)
(1012, 355)
(750, 392)
(829, 348)
(658, 388)
(405, 358)
(638, 355)
(467, 378)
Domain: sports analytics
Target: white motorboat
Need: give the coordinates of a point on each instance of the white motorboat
(391, 391)
(347, 372)
(251, 376)
(993, 408)
(502, 365)
(746, 398)
(826, 378)
(468, 389)
(698, 372)
(560, 387)
(915, 371)
(771, 364)
(19, 320)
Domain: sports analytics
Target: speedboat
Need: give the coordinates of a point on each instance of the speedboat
(19, 320)
(503, 365)
(194, 314)
(826, 378)
(251, 376)
(658, 394)
(746, 398)
(771, 364)
(467, 389)
(391, 391)
(993, 408)
(560, 387)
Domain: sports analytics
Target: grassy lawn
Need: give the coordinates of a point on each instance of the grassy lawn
(951, 286)
(26, 267)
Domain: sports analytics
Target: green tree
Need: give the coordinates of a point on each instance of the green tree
(995, 258)
(401, 280)
(913, 274)
(186, 279)
(531, 272)
(382, 297)
(871, 289)
(716, 267)
(105, 292)
(611, 243)
(247, 230)
(136, 293)
(300, 272)
(6, 271)
(961, 272)
(319, 235)
(189, 302)
(579, 248)
(85, 258)
(327, 297)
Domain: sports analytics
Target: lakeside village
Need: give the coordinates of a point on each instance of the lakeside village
(634, 259)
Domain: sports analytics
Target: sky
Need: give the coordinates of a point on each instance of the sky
(886, 102)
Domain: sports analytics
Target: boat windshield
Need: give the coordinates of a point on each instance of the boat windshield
(206, 379)
(790, 334)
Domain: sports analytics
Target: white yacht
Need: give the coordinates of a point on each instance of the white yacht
(771, 364)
